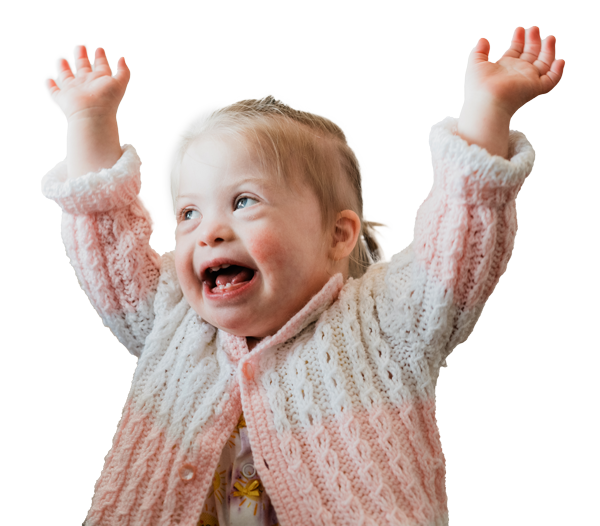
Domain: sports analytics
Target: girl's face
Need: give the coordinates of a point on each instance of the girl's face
(249, 253)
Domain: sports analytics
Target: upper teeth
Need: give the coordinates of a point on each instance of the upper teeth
(214, 269)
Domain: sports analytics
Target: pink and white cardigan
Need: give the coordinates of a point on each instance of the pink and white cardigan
(340, 403)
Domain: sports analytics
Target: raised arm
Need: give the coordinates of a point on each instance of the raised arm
(105, 228)
(465, 229)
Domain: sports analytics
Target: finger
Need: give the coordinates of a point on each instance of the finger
(64, 72)
(552, 78)
(546, 57)
(556, 71)
(517, 44)
(480, 52)
(52, 87)
(101, 63)
(123, 74)
(533, 44)
(81, 60)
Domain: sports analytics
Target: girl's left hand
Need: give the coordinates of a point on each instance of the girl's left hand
(526, 70)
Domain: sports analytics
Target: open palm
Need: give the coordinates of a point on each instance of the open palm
(90, 91)
(527, 69)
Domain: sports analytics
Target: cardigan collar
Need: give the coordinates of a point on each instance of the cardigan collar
(237, 347)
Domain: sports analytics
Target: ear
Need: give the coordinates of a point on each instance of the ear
(345, 235)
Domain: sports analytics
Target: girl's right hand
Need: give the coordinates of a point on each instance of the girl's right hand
(89, 93)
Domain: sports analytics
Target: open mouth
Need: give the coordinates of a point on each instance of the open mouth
(226, 278)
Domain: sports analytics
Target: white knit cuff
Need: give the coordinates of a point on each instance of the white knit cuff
(471, 173)
(95, 191)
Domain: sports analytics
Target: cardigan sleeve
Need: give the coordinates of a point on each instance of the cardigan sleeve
(106, 233)
(463, 238)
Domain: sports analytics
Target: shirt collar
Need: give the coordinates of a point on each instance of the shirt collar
(237, 347)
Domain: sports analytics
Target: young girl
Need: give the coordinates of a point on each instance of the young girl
(283, 378)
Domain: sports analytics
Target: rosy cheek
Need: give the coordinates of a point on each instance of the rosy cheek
(184, 270)
(266, 248)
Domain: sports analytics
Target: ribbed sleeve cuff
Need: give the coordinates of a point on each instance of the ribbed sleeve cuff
(469, 172)
(96, 191)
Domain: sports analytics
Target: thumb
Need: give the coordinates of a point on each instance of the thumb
(123, 72)
(480, 52)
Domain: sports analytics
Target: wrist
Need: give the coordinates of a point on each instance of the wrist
(92, 142)
(484, 101)
(485, 123)
(92, 116)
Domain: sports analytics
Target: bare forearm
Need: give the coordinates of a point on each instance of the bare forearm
(485, 125)
(92, 143)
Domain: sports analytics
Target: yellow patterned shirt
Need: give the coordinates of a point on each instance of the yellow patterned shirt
(237, 496)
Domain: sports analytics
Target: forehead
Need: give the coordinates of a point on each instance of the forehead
(229, 160)
(209, 158)
(211, 153)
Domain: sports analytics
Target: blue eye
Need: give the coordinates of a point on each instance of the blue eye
(186, 214)
(244, 202)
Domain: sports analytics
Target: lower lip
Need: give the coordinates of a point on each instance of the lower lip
(232, 293)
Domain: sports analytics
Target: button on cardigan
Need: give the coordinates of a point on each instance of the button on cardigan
(340, 403)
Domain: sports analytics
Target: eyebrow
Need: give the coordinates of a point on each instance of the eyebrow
(262, 181)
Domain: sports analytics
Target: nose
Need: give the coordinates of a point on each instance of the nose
(214, 231)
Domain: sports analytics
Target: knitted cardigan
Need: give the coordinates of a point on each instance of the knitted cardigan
(340, 403)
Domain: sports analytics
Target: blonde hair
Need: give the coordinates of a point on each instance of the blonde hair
(287, 143)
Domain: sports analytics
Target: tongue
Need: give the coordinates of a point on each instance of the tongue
(233, 275)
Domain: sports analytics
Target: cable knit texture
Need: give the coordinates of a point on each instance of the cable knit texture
(340, 403)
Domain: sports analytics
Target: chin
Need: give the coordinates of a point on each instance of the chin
(232, 326)
(248, 332)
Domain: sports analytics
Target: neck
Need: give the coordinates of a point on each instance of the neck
(252, 342)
